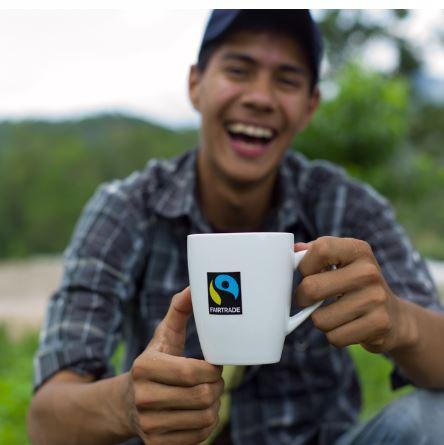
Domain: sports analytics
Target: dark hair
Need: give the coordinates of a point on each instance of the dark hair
(261, 23)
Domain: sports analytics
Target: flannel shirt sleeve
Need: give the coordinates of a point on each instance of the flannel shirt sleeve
(83, 321)
(371, 218)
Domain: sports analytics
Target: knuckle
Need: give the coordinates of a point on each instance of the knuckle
(221, 386)
(138, 400)
(371, 272)
(187, 374)
(148, 426)
(362, 248)
(308, 287)
(138, 370)
(203, 434)
(215, 418)
(378, 297)
(209, 416)
(317, 320)
(205, 394)
(334, 340)
(322, 248)
(384, 322)
(144, 399)
(198, 436)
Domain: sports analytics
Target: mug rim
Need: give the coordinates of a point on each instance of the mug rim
(235, 234)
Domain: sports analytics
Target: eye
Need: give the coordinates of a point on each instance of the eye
(289, 82)
(236, 70)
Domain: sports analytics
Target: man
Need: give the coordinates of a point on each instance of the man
(255, 87)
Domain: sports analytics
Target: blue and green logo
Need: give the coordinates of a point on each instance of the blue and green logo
(224, 293)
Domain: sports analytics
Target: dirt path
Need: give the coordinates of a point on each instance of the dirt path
(25, 287)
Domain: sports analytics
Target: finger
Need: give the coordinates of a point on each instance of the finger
(190, 437)
(169, 336)
(329, 250)
(176, 371)
(358, 275)
(157, 396)
(161, 422)
(366, 329)
(301, 246)
(347, 308)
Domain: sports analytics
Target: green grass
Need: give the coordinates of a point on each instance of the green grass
(15, 386)
(16, 383)
(374, 372)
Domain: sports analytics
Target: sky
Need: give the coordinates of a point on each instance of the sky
(70, 63)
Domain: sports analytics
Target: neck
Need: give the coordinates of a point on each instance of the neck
(234, 207)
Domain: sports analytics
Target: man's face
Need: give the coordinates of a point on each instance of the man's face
(253, 97)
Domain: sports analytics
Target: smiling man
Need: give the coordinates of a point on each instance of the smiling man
(255, 87)
(254, 94)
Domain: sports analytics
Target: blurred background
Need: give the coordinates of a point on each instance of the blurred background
(87, 96)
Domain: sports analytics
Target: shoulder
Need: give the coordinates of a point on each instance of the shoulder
(321, 180)
(142, 189)
(307, 172)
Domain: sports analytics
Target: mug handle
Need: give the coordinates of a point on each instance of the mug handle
(302, 315)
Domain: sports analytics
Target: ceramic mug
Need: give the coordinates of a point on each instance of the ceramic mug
(241, 290)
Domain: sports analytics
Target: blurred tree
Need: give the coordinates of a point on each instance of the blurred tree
(426, 123)
(348, 31)
(363, 125)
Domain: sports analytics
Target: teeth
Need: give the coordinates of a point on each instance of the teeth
(250, 130)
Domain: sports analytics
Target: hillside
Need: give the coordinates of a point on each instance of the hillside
(49, 169)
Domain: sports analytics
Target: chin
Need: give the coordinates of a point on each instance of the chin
(247, 176)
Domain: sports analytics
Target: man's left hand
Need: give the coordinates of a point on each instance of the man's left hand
(366, 311)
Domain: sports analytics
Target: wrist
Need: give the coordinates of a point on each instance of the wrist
(407, 337)
(115, 394)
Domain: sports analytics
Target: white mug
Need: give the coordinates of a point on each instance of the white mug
(241, 289)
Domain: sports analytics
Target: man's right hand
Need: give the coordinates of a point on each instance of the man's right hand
(172, 400)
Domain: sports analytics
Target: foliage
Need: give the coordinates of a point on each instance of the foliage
(49, 170)
(374, 373)
(426, 122)
(346, 33)
(363, 125)
(15, 386)
(370, 128)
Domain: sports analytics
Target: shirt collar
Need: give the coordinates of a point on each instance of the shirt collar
(285, 208)
(179, 196)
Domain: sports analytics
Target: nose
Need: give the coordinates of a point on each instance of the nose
(260, 96)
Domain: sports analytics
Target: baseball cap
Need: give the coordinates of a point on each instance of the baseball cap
(296, 21)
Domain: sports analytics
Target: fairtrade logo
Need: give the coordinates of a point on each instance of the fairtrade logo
(224, 293)
(223, 282)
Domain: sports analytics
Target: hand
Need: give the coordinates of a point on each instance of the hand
(172, 400)
(366, 311)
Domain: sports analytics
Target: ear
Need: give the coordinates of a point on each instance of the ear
(194, 78)
(312, 106)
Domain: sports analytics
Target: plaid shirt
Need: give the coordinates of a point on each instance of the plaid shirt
(127, 259)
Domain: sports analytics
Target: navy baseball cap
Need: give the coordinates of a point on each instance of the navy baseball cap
(297, 21)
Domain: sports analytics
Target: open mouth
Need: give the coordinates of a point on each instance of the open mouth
(250, 137)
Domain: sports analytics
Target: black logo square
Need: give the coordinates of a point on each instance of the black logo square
(224, 293)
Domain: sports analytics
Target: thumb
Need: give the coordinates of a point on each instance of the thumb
(169, 336)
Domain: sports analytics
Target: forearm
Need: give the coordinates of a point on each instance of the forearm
(79, 413)
(422, 358)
